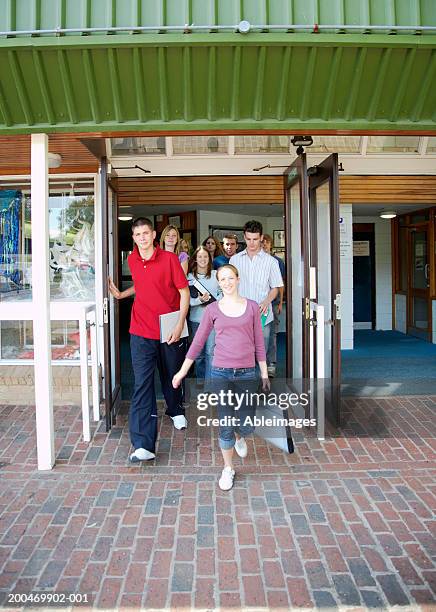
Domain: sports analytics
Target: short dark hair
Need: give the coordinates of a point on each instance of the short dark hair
(142, 221)
(254, 227)
(231, 237)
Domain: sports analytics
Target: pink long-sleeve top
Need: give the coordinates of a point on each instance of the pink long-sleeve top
(239, 340)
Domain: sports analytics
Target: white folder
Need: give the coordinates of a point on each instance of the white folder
(167, 323)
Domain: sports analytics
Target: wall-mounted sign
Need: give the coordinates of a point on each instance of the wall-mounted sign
(360, 248)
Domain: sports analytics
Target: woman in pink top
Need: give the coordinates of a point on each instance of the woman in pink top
(238, 345)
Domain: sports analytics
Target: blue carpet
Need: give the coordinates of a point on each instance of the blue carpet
(382, 363)
(388, 355)
(386, 363)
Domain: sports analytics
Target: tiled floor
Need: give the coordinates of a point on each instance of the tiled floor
(347, 522)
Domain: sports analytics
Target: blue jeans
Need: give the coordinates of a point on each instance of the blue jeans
(236, 380)
(203, 363)
(271, 354)
(146, 355)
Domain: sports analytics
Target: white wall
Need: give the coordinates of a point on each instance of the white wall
(383, 270)
(401, 313)
(433, 305)
(346, 263)
(223, 219)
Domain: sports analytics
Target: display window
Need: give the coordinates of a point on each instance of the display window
(71, 263)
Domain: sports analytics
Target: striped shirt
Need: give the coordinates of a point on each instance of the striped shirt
(258, 275)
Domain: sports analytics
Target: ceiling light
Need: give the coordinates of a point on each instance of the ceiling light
(125, 217)
(300, 142)
(388, 214)
(54, 160)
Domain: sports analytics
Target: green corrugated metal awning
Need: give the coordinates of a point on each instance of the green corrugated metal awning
(173, 76)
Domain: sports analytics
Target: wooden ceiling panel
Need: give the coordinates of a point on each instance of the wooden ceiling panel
(76, 157)
(268, 190)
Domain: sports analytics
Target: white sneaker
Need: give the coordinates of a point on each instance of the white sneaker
(141, 454)
(241, 447)
(225, 483)
(180, 421)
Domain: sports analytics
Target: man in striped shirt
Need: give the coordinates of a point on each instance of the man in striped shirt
(259, 275)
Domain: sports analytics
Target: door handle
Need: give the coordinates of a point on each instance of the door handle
(105, 311)
(426, 270)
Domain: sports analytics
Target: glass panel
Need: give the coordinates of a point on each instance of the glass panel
(15, 246)
(334, 144)
(402, 250)
(16, 340)
(419, 217)
(204, 145)
(324, 267)
(138, 146)
(393, 144)
(419, 313)
(297, 283)
(419, 263)
(71, 243)
(262, 144)
(431, 147)
(72, 249)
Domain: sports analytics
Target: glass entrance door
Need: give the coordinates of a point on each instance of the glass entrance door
(325, 278)
(112, 387)
(419, 284)
(297, 266)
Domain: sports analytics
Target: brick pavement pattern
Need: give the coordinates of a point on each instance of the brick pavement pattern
(349, 522)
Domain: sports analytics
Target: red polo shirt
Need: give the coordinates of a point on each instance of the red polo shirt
(157, 282)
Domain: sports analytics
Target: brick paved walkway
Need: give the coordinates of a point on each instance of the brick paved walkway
(348, 522)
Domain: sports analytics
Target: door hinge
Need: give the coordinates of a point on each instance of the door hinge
(338, 306)
(105, 310)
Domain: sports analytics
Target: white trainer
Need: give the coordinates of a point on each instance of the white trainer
(225, 483)
(141, 454)
(180, 421)
(241, 447)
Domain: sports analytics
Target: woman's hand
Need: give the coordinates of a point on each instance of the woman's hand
(266, 384)
(177, 379)
(205, 297)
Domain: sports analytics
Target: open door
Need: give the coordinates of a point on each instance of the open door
(297, 269)
(112, 386)
(325, 278)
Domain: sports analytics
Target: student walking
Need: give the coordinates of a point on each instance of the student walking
(213, 246)
(277, 306)
(230, 246)
(239, 344)
(260, 275)
(160, 287)
(204, 288)
(170, 241)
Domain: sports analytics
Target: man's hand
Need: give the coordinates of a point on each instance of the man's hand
(175, 334)
(263, 307)
(266, 384)
(279, 307)
(113, 289)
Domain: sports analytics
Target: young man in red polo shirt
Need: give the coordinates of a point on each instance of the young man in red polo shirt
(160, 287)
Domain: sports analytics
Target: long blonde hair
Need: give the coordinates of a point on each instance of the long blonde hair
(165, 231)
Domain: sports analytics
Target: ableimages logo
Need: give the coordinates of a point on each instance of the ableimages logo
(241, 400)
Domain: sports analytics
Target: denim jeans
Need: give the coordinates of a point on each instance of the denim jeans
(271, 354)
(146, 355)
(203, 363)
(237, 380)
